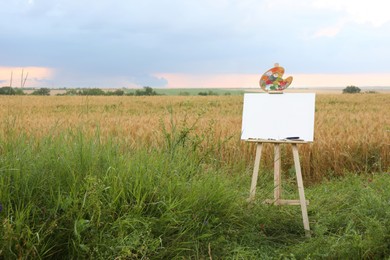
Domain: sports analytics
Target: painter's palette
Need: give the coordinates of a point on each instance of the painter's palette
(272, 80)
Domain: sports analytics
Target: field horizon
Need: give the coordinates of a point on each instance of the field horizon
(224, 91)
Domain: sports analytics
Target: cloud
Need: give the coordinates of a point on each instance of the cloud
(130, 42)
(373, 12)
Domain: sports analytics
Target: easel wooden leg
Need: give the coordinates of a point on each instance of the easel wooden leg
(277, 175)
(252, 192)
(301, 190)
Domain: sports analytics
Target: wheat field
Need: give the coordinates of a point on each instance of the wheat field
(352, 132)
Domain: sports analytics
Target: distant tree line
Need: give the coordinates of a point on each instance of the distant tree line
(146, 91)
(208, 93)
(351, 89)
(19, 92)
(212, 93)
(41, 92)
(11, 91)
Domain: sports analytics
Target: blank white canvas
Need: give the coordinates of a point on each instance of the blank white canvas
(278, 116)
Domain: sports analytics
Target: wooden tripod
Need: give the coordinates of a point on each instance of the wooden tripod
(277, 178)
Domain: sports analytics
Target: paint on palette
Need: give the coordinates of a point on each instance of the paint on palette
(272, 80)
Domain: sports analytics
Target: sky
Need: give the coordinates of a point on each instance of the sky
(193, 43)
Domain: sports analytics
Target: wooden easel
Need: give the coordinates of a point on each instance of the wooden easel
(277, 177)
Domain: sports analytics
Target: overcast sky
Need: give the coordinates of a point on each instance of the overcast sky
(188, 43)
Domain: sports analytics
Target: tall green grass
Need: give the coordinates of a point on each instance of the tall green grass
(75, 196)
